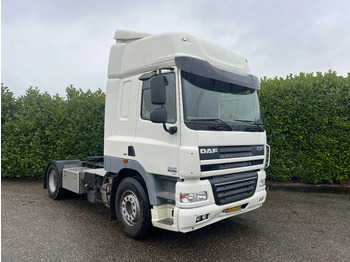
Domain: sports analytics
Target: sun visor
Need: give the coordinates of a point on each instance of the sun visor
(203, 68)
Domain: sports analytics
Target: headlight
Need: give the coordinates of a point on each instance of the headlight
(193, 197)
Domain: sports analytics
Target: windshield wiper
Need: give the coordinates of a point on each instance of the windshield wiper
(251, 122)
(217, 120)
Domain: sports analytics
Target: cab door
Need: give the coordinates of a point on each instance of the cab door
(155, 149)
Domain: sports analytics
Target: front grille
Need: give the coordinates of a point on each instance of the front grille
(233, 187)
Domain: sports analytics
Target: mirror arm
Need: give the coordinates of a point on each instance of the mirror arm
(172, 130)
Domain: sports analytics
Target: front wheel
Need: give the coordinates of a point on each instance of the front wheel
(132, 208)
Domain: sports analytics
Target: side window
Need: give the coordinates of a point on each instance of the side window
(147, 107)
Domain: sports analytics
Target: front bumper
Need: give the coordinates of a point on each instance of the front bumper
(187, 218)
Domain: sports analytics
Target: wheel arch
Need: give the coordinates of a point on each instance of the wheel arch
(60, 164)
(151, 182)
(122, 174)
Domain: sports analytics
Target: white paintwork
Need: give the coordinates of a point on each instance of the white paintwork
(186, 218)
(142, 52)
(135, 53)
(120, 115)
(124, 36)
(156, 149)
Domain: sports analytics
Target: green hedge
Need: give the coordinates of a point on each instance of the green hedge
(307, 118)
(36, 128)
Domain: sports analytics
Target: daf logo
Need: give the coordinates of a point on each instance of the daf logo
(259, 148)
(208, 150)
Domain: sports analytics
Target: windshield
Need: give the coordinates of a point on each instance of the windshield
(231, 106)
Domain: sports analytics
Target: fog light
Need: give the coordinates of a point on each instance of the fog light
(201, 218)
(193, 197)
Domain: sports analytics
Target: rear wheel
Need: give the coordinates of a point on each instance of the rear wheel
(132, 208)
(52, 176)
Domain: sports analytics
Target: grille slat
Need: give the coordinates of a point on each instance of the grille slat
(235, 154)
(234, 185)
(234, 149)
(213, 167)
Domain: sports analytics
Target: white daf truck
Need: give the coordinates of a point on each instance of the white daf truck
(184, 143)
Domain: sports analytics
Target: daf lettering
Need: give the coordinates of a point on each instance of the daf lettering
(208, 150)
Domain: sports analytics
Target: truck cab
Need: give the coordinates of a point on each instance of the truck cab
(185, 145)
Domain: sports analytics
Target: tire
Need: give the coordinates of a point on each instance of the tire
(52, 176)
(132, 208)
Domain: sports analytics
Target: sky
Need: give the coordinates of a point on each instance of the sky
(52, 44)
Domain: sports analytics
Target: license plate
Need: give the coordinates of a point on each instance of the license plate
(227, 210)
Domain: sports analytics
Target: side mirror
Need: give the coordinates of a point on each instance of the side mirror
(159, 115)
(157, 86)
